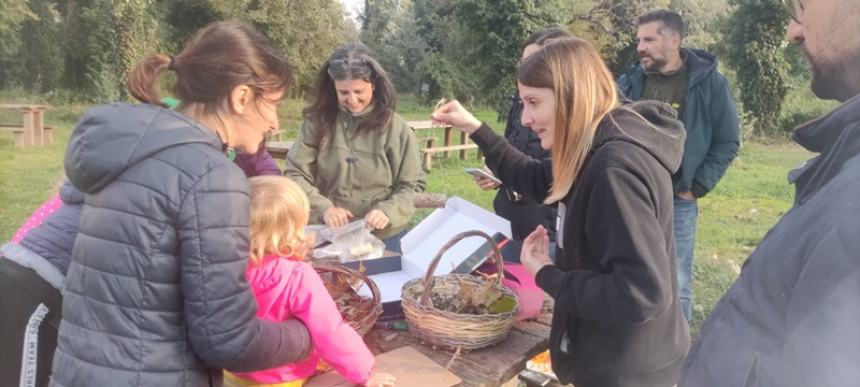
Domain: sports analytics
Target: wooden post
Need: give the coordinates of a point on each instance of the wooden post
(428, 156)
(20, 139)
(447, 138)
(463, 141)
(38, 126)
(28, 122)
(49, 135)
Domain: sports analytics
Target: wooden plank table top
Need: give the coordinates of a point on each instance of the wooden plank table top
(486, 367)
(279, 149)
(23, 106)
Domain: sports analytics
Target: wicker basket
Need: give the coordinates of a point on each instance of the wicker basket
(363, 325)
(449, 329)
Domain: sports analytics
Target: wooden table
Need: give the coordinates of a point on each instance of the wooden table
(431, 148)
(279, 149)
(32, 130)
(495, 365)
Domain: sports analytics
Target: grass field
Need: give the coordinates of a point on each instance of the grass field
(733, 218)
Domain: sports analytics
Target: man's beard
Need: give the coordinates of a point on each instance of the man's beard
(830, 80)
(655, 65)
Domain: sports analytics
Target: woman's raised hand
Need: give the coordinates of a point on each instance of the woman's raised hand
(535, 253)
(454, 114)
(335, 217)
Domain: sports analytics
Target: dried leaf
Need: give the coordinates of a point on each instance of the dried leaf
(502, 305)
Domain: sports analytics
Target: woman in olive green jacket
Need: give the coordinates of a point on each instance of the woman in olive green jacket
(355, 157)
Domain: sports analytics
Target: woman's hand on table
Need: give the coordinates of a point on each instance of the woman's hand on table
(535, 253)
(376, 219)
(335, 217)
(454, 114)
(381, 380)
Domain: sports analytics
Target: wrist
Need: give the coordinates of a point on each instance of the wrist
(472, 126)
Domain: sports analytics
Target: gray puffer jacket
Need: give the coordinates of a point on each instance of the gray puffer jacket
(156, 293)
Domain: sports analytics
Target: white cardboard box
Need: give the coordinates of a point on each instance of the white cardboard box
(423, 242)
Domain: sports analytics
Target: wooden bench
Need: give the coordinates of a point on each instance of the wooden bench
(279, 149)
(18, 133)
(447, 147)
(33, 124)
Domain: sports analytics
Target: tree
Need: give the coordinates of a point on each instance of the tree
(12, 18)
(465, 49)
(405, 53)
(611, 26)
(378, 22)
(35, 64)
(494, 32)
(754, 48)
(15, 13)
(307, 30)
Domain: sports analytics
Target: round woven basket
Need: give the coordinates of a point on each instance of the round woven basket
(364, 324)
(449, 329)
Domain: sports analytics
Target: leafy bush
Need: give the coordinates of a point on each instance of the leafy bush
(801, 106)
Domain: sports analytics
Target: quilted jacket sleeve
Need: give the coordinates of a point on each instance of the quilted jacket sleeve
(220, 308)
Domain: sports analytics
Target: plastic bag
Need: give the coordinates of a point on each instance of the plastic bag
(351, 242)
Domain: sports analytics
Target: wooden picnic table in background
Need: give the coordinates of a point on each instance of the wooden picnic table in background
(32, 131)
(279, 149)
(430, 147)
(496, 365)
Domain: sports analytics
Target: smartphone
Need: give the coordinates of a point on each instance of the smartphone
(481, 173)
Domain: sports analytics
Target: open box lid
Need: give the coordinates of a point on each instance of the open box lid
(423, 242)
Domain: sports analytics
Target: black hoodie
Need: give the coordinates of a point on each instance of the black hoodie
(617, 318)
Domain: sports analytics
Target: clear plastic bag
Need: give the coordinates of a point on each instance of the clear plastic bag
(351, 242)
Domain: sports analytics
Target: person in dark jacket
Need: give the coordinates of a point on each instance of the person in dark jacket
(792, 317)
(523, 212)
(617, 319)
(32, 268)
(688, 80)
(156, 294)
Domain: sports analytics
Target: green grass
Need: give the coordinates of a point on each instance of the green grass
(733, 218)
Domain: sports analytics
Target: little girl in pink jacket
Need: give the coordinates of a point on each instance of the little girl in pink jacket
(285, 286)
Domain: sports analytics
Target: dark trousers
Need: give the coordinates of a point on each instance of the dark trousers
(29, 321)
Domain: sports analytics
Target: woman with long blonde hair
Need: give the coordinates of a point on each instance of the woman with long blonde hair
(617, 318)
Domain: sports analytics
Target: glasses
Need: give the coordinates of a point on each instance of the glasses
(794, 8)
(339, 67)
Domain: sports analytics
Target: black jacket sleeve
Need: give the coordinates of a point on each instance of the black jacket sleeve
(623, 232)
(220, 309)
(515, 169)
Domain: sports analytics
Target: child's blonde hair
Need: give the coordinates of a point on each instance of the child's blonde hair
(279, 214)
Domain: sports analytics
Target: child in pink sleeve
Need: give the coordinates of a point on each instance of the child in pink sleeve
(285, 286)
(37, 217)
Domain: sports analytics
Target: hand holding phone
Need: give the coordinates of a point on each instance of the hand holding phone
(477, 172)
